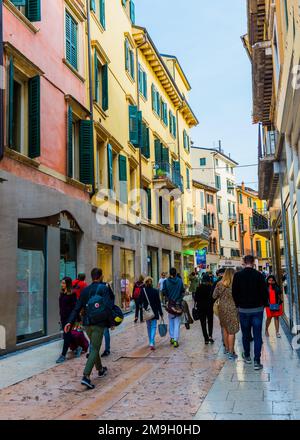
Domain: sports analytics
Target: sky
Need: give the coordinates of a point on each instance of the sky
(205, 37)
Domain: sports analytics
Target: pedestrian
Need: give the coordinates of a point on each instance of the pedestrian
(194, 281)
(174, 292)
(96, 301)
(67, 302)
(160, 286)
(79, 284)
(151, 295)
(204, 304)
(275, 309)
(228, 313)
(250, 294)
(79, 342)
(136, 296)
(219, 274)
(125, 296)
(106, 335)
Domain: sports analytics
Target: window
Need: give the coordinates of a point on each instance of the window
(135, 122)
(222, 252)
(98, 6)
(100, 82)
(202, 161)
(30, 8)
(186, 141)
(241, 198)
(217, 162)
(129, 59)
(286, 13)
(145, 141)
(235, 233)
(258, 248)
(23, 112)
(255, 206)
(164, 111)
(156, 100)
(221, 230)
(213, 221)
(201, 199)
(210, 199)
(230, 187)
(230, 233)
(142, 82)
(227, 167)
(249, 202)
(218, 181)
(219, 205)
(71, 41)
(231, 170)
(132, 11)
(172, 124)
(188, 185)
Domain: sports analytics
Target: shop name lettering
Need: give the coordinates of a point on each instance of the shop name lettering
(115, 430)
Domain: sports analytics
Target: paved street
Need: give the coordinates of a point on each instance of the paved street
(193, 381)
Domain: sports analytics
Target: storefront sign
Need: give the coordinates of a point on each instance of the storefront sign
(201, 258)
(117, 238)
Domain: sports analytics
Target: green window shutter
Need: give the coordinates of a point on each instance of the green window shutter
(188, 178)
(158, 103)
(70, 142)
(147, 152)
(132, 11)
(165, 156)
(145, 141)
(140, 130)
(93, 5)
(126, 55)
(131, 55)
(33, 10)
(74, 58)
(124, 2)
(86, 152)
(133, 125)
(34, 128)
(105, 87)
(123, 178)
(102, 12)
(184, 139)
(170, 122)
(11, 103)
(140, 74)
(158, 151)
(174, 127)
(68, 37)
(145, 85)
(96, 77)
(153, 94)
(143, 144)
(110, 166)
(149, 199)
(19, 2)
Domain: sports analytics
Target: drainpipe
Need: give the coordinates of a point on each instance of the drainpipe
(214, 155)
(1, 83)
(88, 10)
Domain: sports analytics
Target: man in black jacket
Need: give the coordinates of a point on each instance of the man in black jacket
(94, 332)
(249, 291)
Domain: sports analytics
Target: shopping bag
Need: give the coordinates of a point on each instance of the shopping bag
(162, 329)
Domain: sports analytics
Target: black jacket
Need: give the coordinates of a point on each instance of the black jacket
(249, 289)
(66, 306)
(153, 295)
(203, 296)
(82, 303)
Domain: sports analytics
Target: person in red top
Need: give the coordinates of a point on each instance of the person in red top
(79, 284)
(275, 308)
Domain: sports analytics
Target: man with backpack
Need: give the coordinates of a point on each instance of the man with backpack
(97, 301)
(79, 284)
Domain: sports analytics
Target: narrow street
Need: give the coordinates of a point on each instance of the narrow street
(193, 381)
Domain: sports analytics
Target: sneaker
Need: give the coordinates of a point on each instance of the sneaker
(78, 352)
(103, 372)
(87, 355)
(225, 351)
(61, 359)
(247, 359)
(278, 335)
(175, 344)
(171, 341)
(105, 353)
(258, 366)
(232, 356)
(211, 341)
(87, 382)
(207, 342)
(187, 326)
(135, 320)
(152, 348)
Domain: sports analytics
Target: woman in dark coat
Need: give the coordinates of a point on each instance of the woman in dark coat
(275, 299)
(67, 302)
(153, 296)
(205, 306)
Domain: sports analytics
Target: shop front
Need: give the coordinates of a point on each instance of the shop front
(105, 262)
(166, 261)
(127, 276)
(188, 265)
(153, 264)
(178, 262)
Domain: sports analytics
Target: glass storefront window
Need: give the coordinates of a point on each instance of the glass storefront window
(153, 265)
(68, 254)
(105, 262)
(177, 262)
(127, 277)
(166, 261)
(188, 267)
(31, 267)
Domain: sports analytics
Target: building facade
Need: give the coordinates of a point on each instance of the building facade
(272, 44)
(96, 168)
(212, 167)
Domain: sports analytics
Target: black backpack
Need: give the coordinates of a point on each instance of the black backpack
(99, 305)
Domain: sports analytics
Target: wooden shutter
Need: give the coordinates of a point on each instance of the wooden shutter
(170, 122)
(132, 11)
(158, 151)
(126, 47)
(133, 125)
(153, 94)
(68, 37)
(96, 77)
(145, 85)
(33, 10)
(131, 55)
(174, 127)
(140, 129)
(110, 167)
(93, 5)
(105, 87)
(165, 156)
(74, 60)
(11, 103)
(34, 129)
(123, 178)
(149, 199)
(102, 12)
(19, 2)
(147, 147)
(70, 142)
(188, 178)
(86, 152)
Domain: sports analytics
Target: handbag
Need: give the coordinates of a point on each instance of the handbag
(173, 308)
(162, 329)
(148, 312)
(195, 313)
(216, 307)
(274, 307)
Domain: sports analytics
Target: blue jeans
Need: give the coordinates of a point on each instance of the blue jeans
(249, 321)
(107, 339)
(151, 327)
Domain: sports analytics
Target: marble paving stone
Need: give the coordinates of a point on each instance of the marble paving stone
(253, 407)
(205, 416)
(282, 407)
(217, 395)
(251, 377)
(278, 396)
(248, 395)
(220, 406)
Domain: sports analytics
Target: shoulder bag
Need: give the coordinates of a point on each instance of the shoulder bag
(148, 312)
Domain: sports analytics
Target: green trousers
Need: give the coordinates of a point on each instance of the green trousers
(95, 334)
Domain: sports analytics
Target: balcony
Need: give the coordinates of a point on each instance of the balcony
(243, 228)
(261, 224)
(268, 178)
(166, 176)
(232, 217)
(195, 236)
